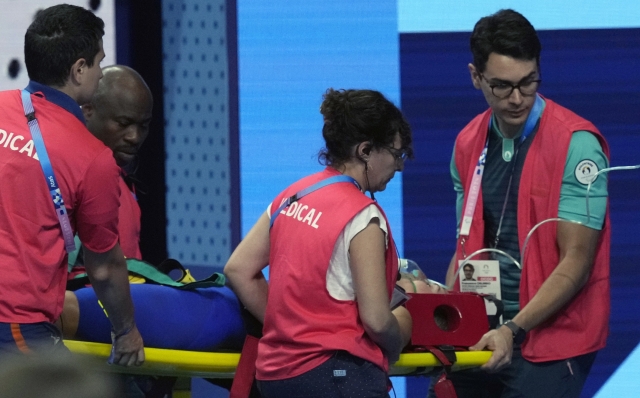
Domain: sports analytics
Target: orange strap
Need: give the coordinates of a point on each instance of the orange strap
(19, 339)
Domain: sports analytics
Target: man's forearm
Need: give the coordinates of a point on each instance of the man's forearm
(115, 296)
(556, 292)
(110, 280)
(577, 245)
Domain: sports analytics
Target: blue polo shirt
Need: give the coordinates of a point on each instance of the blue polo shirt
(57, 97)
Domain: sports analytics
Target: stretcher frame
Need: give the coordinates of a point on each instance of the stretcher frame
(179, 363)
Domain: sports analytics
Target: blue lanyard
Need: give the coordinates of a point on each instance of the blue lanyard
(47, 169)
(308, 190)
(476, 181)
(531, 122)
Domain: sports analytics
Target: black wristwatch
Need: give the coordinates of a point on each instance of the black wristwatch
(518, 333)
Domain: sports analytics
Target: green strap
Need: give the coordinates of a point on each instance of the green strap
(152, 275)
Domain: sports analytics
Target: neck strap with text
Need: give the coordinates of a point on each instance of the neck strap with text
(308, 190)
(47, 169)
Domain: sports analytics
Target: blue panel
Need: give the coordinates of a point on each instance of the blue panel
(592, 72)
(197, 131)
(625, 382)
(289, 54)
(460, 16)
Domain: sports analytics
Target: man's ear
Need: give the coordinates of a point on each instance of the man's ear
(475, 76)
(77, 72)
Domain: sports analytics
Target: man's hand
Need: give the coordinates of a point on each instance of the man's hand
(108, 274)
(127, 349)
(500, 341)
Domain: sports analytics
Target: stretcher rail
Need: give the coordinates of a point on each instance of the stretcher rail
(179, 363)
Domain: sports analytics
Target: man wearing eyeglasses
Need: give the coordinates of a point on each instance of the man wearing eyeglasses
(526, 160)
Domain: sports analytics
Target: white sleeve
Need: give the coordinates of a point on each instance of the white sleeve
(339, 280)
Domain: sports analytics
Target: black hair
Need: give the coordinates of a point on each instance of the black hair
(57, 38)
(507, 32)
(355, 116)
(470, 266)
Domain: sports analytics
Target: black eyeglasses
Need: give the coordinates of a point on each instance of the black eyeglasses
(504, 90)
(398, 154)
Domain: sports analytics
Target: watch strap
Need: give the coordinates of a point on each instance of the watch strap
(518, 333)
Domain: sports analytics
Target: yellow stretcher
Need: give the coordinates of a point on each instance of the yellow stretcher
(165, 362)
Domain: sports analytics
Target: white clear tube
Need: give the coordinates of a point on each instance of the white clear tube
(605, 170)
(535, 227)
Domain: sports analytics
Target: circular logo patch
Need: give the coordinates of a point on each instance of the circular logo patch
(585, 172)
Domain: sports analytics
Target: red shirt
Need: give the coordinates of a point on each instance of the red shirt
(33, 260)
(129, 222)
(304, 325)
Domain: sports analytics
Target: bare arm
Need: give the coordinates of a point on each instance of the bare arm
(244, 268)
(451, 272)
(577, 245)
(108, 275)
(367, 263)
(405, 322)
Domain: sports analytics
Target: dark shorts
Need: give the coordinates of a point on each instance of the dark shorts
(564, 378)
(342, 376)
(41, 338)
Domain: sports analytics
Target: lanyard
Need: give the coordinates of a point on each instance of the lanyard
(308, 190)
(47, 169)
(506, 196)
(476, 181)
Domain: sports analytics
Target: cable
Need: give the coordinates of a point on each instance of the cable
(595, 176)
(535, 227)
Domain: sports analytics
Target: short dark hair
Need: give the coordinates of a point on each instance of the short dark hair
(57, 38)
(470, 266)
(355, 116)
(507, 32)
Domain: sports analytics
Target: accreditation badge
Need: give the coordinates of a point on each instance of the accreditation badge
(483, 277)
